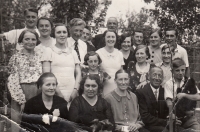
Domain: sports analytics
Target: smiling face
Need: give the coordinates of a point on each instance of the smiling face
(31, 19)
(110, 39)
(156, 77)
(61, 34)
(166, 55)
(138, 38)
(179, 72)
(76, 32)
(49, 86)
(85, 35)
(90, 88)
(93, 62)
(29, 41)
(126, 45)
(44, 28)
(141, 55)
(122, 81)
(171, 37)
(155, 39)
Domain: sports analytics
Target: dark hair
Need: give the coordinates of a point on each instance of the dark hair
(45, 18)
(104, 35)
(120, 71)
(54, 29)
(31, 10)
(140, 47)
(40, 81)
(88, 28)
(177, 62)
(92, 77)
(138, 30)
(91, 53)
(172, 29)
(153, 67)
(21, 36)
(123, 37)
(156, 30)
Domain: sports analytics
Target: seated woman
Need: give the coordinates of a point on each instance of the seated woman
(92, 60)
(138, 70)
(89, 108)
(47, 102)
(124, 105)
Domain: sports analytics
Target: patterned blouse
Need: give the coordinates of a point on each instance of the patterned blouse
(22, 69)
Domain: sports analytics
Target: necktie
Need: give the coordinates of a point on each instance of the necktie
(156, 94)
(76, 49)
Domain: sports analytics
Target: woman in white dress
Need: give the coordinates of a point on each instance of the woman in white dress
(44, 26)
(64, 63)
(112, 59)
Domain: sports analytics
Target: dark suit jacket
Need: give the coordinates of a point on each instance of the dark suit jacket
(99, 42)
(153, 113)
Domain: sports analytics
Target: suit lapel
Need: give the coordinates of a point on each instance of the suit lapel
(150, 93)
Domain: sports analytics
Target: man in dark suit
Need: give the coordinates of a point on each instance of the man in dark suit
(111, 25)
(153, 108)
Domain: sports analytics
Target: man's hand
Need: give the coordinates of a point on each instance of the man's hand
(181, 95)
(141, 85)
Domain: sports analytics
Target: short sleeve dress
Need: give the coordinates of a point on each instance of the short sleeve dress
(63, 63)
(111, 63)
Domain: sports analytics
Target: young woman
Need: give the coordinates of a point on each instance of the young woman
(89, 108)
(64, 63)
(112, 59)
(25, 69)
(124, 105)
(47, 102)
(92, 60)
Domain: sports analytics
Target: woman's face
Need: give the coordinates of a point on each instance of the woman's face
(166, 55)
(126, 45)
(44, 28)
(110, 39)
(29, 41)
(49, 86)
(90, 88)
(141, 55)
(93, 62)
(61, 34)
(122, 81)
(155, 39)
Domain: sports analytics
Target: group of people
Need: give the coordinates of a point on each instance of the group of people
(109, 82)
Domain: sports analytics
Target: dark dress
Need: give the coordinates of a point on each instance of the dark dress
(36, 106)
(135, 76)
(82, 112)
(129, 59)
(90, 47)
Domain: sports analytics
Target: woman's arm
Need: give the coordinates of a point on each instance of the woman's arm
(77, 82)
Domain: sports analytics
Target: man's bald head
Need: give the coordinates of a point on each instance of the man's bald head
(112, 24)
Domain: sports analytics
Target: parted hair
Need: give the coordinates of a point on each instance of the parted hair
(77, 22)
(45, 18)
(120, 71)
(21, 36)
(54, 28)
(140, 47)
(177, 62)
(91, 53)
(40, 81)
(31, 9)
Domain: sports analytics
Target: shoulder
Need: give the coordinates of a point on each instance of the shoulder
(100, 50)
(181, 48)
(59, 99)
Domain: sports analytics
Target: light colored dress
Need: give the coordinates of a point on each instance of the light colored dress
(63, 63)
(111, 63)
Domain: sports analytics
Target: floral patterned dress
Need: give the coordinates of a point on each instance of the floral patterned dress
(23, 69)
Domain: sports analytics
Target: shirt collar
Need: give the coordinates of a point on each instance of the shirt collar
(118, 97)
(22, 52)
(154, 89)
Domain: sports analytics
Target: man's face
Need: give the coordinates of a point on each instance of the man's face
(76, 32)
(138, 38)
(179, 72)
(85, 35)
(112, 24)
(156, 77)
(171, 37)
(31, 19)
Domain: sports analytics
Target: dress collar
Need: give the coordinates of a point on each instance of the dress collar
(118, 97)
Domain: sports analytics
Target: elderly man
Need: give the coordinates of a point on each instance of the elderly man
(86, 37)
(171, 35)
(185, 87)
(112, 25)
(31, 16)
(152, 105)
(77, 26)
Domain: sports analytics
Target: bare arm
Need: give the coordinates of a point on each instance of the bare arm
(195, 97)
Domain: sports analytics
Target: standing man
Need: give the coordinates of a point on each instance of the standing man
(112, 25)
(86, 37)
(138, 38)
(152, 105)
(77, 26)
(31, 17)
(171, 35)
